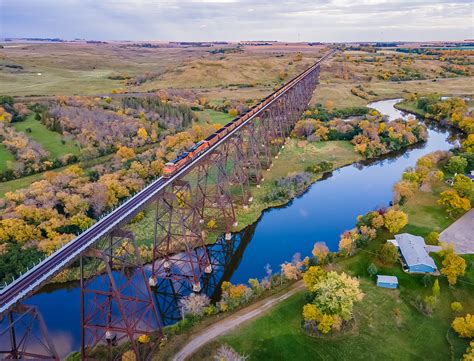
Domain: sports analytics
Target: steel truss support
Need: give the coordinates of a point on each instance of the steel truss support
(237, 169)
(178, 246)
(213, 194)
(117, 306)
(26, 335)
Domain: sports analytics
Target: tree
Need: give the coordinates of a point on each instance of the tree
(194, 304)
(469, 355)
(320, 251)
(290, 271)
(345, 246)
(432, 238)
(453, 267)
(388, 253)
(395, 220)
(456, 164)
(312, 276)
(453, 203)
(233, 112)
(227, 353)
(336, 294)
(468, 144)
(463, 185)
(436, 289)
(464, 326)
(142, 133)
(326, 323)
(329, 104)
(125, 153)
(372, 270)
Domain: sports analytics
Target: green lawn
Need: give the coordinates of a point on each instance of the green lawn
(378, 333)
(213, 117)
(425, 214)
(49, 140)
(5, 156)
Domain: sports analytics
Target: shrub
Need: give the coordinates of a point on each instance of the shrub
(194, 304)
(432, 238)
(388, 254)
(226, 353)
(456, 306)
(372, 270)
(456, 164)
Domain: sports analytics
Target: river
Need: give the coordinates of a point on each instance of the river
(321, 214)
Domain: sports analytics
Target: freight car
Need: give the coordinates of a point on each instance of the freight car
(172, 167)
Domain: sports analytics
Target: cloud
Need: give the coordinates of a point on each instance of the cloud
(286, 20)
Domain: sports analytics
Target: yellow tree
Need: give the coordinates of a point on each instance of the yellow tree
(142, 133)
(464, 326)
(125, 153)
(454, 203)
(312, 276)
(395, 220)
(453, 267)
(233, 112)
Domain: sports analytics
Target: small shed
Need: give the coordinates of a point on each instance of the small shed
(387, 281)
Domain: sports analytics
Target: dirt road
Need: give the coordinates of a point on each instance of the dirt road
(227, 324)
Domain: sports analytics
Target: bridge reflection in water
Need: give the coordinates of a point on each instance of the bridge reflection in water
(62, 313)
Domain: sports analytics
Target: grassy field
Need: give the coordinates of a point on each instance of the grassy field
(213, 117)
(378, 332)
(5, 156)
(49, 140)
(425, 213)
(68, 69)
(340, 92)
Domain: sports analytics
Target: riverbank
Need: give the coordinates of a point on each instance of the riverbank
(294, 159)
(395, 314)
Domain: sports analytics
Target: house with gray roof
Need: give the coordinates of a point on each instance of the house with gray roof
(414, 253)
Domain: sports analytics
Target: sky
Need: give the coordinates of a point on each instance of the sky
(234, 20)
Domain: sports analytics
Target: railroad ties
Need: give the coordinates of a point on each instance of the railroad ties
(118, 310)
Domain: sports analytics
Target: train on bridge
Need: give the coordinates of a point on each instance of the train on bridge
(171, 168)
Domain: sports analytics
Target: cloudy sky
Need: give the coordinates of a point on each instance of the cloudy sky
(203, 20)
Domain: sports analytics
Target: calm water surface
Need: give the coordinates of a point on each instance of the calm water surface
(328, 208)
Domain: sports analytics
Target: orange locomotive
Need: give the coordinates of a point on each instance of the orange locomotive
(172, 167)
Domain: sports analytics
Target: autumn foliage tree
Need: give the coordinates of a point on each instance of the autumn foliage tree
(320, 251)
(454, 203)
(464, 326)
(333, 298)
(395, 220)
(453, 267)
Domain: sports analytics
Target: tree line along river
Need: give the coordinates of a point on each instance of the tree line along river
(328, 208)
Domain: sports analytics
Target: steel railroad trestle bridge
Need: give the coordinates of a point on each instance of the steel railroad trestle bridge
(200, 194)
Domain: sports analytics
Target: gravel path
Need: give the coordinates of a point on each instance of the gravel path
(227, 324)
